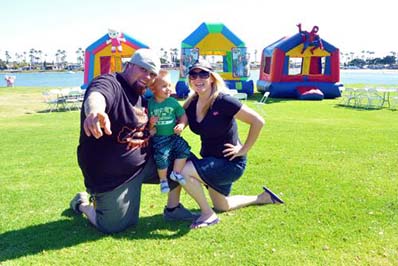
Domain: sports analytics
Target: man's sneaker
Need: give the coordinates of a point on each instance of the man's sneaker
(81, 197)
(180, 213)
(164, 186)
(177, 177)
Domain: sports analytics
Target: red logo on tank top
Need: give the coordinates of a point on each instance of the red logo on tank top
(215, 113)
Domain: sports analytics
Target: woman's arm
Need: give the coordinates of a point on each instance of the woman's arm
(256, 122)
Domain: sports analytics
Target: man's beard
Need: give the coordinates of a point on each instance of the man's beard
(138, 89)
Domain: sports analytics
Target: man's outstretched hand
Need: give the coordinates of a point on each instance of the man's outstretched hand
(95, 122)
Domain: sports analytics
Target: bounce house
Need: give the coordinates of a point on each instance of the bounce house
(303, 66)
(215, 39)
(107, 54)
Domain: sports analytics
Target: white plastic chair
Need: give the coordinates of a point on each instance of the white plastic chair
(261, 103)
(232, 91)
(264, 99)
(349, 95)
(52, 98)
(370, 98)
(241, 96)
(74, 98)
(394, 101)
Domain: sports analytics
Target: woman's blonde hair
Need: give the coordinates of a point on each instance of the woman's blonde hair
(217, 86)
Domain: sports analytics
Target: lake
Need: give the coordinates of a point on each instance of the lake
(66, 79)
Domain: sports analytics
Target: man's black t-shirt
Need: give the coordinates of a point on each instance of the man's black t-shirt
(106, 162)
(218, 127)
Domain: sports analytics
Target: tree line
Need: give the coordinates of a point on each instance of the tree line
(37, 60)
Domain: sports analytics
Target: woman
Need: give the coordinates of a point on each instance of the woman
(211, 114)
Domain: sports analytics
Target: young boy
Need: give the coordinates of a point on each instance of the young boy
(167, 121)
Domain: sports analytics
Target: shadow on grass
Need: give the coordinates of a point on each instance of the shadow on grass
(355, 108)
(59, 110)
(74, 230)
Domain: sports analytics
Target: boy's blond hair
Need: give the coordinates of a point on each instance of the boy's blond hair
(163, 75)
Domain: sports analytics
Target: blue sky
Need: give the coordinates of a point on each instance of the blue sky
(49, 25)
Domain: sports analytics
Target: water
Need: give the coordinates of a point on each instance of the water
(45, 79)
(385, 77)
(65, 79)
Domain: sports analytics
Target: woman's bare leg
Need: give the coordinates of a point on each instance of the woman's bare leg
(224, 203)
(195, 190)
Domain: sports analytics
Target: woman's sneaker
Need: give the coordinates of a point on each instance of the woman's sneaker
(178, 178)
(164, 186)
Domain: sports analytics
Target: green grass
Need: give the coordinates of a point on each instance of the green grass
(335, 167)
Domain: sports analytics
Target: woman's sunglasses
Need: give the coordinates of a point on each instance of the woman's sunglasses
(201, 74)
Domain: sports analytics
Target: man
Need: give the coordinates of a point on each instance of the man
(113, 151)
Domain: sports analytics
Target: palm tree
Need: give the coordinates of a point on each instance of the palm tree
(39, 59)
(347, 57)
(60, 57)
(80, 54)
(24, 57)
(165, 56)
(394, 54)
(63, 58)
(8, 57)
(363, 55)
(32, 55)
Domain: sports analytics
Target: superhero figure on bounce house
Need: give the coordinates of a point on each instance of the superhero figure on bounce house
(310, 39)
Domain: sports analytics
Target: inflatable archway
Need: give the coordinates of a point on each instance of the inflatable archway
(303, 66)
(216, 39)
(106, 55)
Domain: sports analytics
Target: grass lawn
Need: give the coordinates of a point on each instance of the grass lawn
(335, 167)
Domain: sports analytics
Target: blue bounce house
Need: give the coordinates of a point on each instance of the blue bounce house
(211, 39)
(303, 66)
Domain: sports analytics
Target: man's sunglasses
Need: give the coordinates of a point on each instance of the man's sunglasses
(201, 74)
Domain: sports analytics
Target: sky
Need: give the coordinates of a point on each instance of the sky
(51, 25)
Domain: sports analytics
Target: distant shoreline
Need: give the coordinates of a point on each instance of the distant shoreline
(383, 70)
(36, 71)
(385, 77)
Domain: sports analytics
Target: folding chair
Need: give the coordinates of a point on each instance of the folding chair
(52, 99)
(241, 96)
(349, 95)
(370, 99)
(260, 104)
(74, 99)
(264, 99)
(394, 102)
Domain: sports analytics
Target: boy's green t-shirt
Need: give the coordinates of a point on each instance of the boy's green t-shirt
(168, 112)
